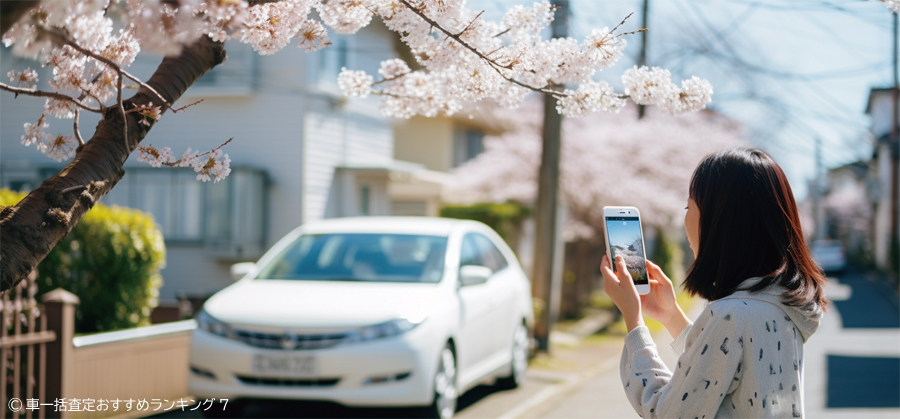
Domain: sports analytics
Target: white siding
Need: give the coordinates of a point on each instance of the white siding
(281, 123)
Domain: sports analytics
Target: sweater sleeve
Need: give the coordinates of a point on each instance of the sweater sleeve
(705, 371)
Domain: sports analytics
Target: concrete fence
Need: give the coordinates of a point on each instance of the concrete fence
(96, 376)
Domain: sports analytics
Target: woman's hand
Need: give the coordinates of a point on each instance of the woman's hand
(660, 303)
(620, 287)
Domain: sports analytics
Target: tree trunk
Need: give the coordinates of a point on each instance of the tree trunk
(33, 227)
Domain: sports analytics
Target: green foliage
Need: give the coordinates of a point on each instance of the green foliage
(111, 261)
(668, 255)
(503, 218)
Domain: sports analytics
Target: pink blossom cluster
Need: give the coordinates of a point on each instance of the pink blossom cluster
(653, 86)
(606, 160)
(465, 58)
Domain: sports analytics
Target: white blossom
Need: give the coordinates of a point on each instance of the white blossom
(344, 16)
(26, 78)
(591, 96)
(313, 36)
(62, 109)
(270, 26)
(653, 86)
(34, 132)
(60, 148)
(391, 69)
(355, 83)
(214, 167)
(154, 156)
(894, 5)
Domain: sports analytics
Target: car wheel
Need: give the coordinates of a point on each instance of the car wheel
(519, 361)
(445, 394)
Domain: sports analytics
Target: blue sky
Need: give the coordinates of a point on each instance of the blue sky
(622, 233)
(790, 70)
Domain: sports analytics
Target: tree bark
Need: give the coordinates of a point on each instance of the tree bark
(33, 227)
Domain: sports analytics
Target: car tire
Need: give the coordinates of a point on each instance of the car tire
(445, 394)
(232, 409)
(519, 362)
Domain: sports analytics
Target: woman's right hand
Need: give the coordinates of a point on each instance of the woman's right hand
(660, 303)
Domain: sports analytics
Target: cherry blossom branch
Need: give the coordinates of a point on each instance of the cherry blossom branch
(188, 106)
(491, 63)
(111, 64)
(42, 93)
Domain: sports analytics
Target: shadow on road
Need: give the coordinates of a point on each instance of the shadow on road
(316, 409)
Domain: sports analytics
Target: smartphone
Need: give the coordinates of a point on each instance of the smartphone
(625, 237)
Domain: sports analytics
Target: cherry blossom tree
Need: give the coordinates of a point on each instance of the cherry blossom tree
(89, 45)
(606, 160)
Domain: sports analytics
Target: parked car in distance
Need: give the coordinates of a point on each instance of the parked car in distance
(369, 311)
(830, 255)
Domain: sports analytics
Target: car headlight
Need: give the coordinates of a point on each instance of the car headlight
(387, 329)
(213, 325)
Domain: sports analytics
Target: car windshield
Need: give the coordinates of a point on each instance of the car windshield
(360, 257)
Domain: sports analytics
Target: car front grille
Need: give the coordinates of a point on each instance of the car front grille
(288, 382)
(289, 341)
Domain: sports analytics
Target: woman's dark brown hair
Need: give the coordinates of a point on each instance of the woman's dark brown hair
(749, 227)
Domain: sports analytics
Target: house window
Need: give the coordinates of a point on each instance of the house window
(227, 218)
(332, 59)
(467, 143)
(235, 76)
(364, 199)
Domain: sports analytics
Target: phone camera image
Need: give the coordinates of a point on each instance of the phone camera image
(624, 235)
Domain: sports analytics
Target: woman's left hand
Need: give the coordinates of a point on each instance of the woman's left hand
(620, 287)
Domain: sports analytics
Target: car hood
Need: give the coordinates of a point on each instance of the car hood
(320, 304)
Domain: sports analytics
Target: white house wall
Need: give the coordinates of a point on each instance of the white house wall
(270, 121)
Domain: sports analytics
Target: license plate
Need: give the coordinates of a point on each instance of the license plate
(288, 366)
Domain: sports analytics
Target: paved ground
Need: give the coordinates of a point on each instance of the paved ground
(853, 370)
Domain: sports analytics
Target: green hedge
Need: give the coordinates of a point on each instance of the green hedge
(111, 261)
(503, 218)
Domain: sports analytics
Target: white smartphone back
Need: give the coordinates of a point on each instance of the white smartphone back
(625, 237)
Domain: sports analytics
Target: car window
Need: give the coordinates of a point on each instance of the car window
(360, 257)
(490, 254)
(469, 254)
(477, 249)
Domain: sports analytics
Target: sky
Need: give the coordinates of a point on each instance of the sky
(792, 71)
(623, 233)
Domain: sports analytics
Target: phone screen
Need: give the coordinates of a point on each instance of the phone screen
(625, 239)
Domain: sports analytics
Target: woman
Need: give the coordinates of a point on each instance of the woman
(743, 357)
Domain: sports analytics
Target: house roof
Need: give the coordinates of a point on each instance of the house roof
(875, 92)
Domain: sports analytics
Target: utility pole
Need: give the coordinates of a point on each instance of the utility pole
(894, 142)
(546, 229)
(642, 57)
(817, 193)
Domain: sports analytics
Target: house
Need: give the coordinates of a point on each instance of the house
(883, 109)
(437, 145)
(301, 152)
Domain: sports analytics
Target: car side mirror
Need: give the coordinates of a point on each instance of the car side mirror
(474, 274)
(240, 270)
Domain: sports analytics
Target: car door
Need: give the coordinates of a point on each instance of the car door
(474, 344)
(502, 316)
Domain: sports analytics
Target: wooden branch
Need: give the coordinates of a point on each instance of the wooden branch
(41, 93)
(33, 227)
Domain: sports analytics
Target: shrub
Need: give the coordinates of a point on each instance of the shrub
(504, 218)
(111, 261)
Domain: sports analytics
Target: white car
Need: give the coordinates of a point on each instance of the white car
(371, 311)
(830, 255)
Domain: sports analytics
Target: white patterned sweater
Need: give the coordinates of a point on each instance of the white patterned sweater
(742, 358)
